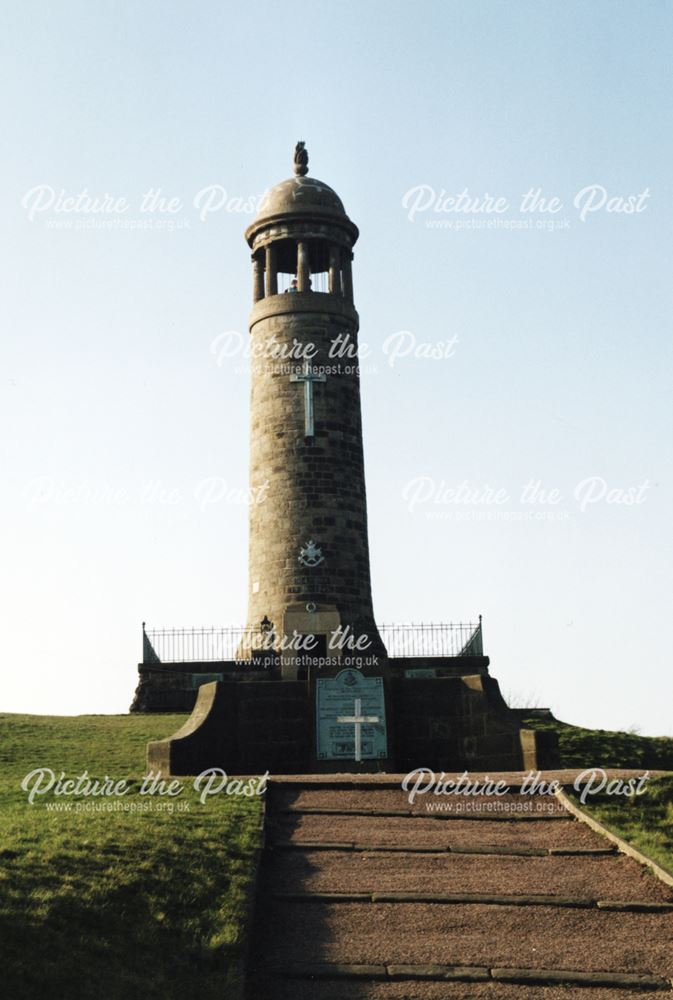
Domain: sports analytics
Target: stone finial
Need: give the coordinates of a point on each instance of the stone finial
(300, 159)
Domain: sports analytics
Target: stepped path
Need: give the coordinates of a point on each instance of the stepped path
(363, 895)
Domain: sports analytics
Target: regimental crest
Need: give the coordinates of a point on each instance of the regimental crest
(310, 555)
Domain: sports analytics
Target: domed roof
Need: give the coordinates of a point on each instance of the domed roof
(299, 195)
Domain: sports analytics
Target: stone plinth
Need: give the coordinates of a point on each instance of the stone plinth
(242, 728)
(446, 723)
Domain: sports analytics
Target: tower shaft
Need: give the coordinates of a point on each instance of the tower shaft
(309, 566)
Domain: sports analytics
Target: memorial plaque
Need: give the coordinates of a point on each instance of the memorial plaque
(335, 699)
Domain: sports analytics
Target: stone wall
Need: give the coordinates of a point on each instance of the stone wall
(460, 723)
(241, 728)
(446, 723)
(172, 687)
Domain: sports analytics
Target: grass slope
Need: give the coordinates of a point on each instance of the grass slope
(121, 904)
(601, 748)
(645, 821)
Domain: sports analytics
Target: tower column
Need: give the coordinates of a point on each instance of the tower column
(303, 279)
(271, 271)
(334, 271)
(348, 276)
(257, 278)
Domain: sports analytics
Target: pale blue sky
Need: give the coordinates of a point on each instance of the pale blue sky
(561, 371)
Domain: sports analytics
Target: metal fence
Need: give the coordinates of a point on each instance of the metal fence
(226, 643)
(433, 639)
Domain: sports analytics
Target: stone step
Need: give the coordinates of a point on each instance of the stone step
(418, 814)
(427, 833)
(496, 850)
(473, 974)
(274, 987)
(448, 898)
(468, 934)
(394, 800)
(604, 877)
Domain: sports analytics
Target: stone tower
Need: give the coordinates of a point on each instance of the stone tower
(286, 711)
(309, 551)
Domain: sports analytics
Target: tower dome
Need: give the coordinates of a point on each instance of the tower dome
(299, 195)
(300, 198)
(301, 239)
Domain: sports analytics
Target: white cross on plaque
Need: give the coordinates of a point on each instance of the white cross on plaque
(308, 378)
(358, 720)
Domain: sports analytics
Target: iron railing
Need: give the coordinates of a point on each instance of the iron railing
(241, 643)
(433, 639)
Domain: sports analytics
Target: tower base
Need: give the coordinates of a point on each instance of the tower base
(447, 722)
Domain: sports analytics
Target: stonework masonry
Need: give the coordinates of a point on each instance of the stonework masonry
(315, 487)
(309, 469)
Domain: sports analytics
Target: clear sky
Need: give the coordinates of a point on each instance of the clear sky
(120, 427)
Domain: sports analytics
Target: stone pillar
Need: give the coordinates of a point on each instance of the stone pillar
(271, 272)
(334, 271)
(303, 280)
(348, 276)
(257, 278)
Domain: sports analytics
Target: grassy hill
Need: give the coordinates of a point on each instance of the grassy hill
(152, 904)
(646, 821)
(603, 748)
(117, 904)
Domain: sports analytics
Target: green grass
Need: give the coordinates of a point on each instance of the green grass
(601, 748)
(117, 905)
(645, 821)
